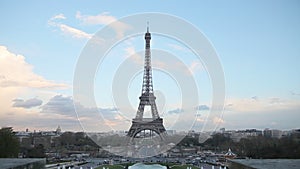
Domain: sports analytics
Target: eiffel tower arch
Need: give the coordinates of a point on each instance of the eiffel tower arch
(147, 127)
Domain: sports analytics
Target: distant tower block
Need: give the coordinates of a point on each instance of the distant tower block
(144, 127)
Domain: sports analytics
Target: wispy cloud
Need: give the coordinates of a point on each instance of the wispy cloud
(73, 32)
(34, 102)
(254, 98)
(100, 19)
(202, 107)
(133, 55)
(195, 66)
(66, 29)
(175, 111)
(59, 16)
(254, 104)
(218, 121)
(294, 93)
(104, 19)
(275, 100)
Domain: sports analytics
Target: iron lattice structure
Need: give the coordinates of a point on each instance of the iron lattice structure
(139, 123)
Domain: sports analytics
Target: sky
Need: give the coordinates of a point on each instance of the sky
(257, 43)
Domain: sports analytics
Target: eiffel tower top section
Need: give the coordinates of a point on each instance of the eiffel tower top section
(147, 98)
(147, 88)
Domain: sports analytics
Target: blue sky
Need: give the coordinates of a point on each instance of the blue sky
(258, 43)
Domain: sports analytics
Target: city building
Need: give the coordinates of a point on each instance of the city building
(274, 133)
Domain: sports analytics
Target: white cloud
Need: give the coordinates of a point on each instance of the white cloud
(16, 72)
(75, 33)
(54, 19)
(59, 16)
(104, 19)
(100, 19)
(66, 29)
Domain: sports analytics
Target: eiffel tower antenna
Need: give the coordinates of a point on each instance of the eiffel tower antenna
(147, 26)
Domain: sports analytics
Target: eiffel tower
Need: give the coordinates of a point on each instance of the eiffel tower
(139, 123)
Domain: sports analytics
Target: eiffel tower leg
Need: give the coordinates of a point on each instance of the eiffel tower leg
(140, 112)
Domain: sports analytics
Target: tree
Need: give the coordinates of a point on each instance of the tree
(37, 152)
(9, 144)
(219, 142)
(189, 141)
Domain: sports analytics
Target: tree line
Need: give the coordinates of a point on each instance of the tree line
(251, 147)
(11, 147)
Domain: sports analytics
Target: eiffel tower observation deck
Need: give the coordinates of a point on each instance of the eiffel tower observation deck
(140, 124)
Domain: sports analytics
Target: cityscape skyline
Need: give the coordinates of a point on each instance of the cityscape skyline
(259, 52)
